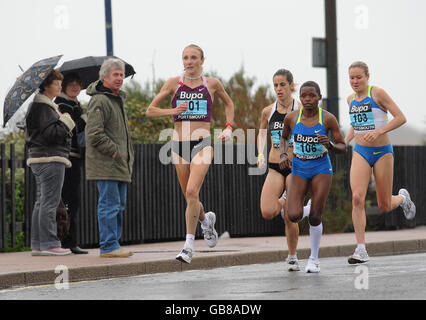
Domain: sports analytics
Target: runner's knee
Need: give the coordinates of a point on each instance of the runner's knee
(191, 194)
(295, 216)
(357, 200)
(268, 214)
(314, 220)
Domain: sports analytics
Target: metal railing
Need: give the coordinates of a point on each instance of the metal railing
(156, 207)
(8, 218)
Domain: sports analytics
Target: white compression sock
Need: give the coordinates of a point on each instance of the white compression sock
(315, 238)
(189, 243)
(361, 246)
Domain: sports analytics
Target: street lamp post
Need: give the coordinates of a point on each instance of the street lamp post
(331, 41)
(324, 55)
(108, 27)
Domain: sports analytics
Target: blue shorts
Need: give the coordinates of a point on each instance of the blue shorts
(310, 168)
(372, 154)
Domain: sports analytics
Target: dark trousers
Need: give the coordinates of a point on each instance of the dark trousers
(71, 198)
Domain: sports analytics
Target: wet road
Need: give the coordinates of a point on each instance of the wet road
(388, 277)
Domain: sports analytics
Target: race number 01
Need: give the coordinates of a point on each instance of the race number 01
(191, 105)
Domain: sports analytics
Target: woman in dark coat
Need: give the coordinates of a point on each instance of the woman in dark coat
(48, 139)
(68, 103)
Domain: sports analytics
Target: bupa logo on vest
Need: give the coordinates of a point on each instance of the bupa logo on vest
(183, 95)
(278, 125)
(361, 108)
(305, 138)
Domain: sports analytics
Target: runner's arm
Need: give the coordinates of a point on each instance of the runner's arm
(229, 105)
(262, 136)
(284, 144)
(339, 145)
(351, 133)
(385, 101)
(154, 111)
(229, 109)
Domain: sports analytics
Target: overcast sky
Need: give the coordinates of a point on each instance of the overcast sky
(262, 36)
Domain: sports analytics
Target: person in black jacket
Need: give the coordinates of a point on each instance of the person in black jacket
(48, 139)
(68, 103)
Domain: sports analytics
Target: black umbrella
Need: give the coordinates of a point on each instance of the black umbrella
(87, 68)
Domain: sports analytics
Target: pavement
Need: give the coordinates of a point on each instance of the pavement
(19, 269)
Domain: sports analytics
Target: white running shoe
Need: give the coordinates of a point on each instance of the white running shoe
(313, 266)
(407, 206)
(359, 256)
(210, 234)
(293, 264)
(185, 255)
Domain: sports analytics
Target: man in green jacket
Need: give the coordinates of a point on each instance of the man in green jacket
(109, 154)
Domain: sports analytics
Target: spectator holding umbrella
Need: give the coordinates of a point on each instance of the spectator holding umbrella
(68, 103)
(109, 154)
(87, 68)
(48, 140)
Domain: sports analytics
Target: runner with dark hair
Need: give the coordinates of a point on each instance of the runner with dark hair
(311, 166)
(272, 200)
